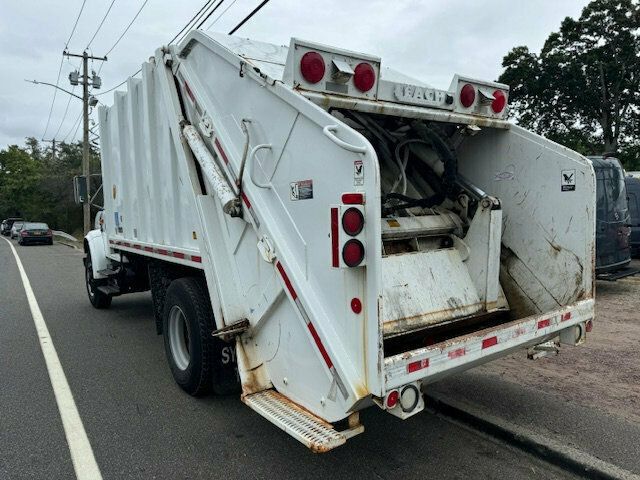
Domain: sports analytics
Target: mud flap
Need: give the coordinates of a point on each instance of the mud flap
(224, 367)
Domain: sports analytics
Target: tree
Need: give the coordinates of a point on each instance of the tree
(582, 89)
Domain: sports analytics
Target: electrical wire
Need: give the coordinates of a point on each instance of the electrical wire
(194, 19)
(212, 12)
(246, 19)
(66, 110)
(55, 90)
(219, 16)
(73, 126)
(100, 26)
(120, 84)
(126, 29)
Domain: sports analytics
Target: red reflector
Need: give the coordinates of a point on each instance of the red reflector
(457, 353)
(178, 255)
(312, 67)
(196, 259)
(566, 316)
(162, 251)
(352, 221)
(467, 95)
(489, 342)
(353, 198)
(356, 305)
(544, 323)
(499, 101)
(148, 249)
(353, 253)
(392, 398)
(364, 77)
(589, 326)
(335, 249)
(419, 365)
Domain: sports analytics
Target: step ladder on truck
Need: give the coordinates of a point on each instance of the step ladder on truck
(324, 234)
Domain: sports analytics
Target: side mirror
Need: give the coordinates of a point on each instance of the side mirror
(80, 189)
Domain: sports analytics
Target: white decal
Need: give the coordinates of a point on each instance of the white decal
(358, 173)
(568, 181)
(419, 95)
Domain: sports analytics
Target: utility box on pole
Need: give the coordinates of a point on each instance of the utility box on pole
(80, 189)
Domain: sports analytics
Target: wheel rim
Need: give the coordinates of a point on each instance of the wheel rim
(179, 337)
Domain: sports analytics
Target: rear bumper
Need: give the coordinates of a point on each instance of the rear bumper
(38, 239)
(437, 361)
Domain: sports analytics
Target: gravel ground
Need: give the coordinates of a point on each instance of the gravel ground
(603, 373)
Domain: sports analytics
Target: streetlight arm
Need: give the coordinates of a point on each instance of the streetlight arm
(54, 86)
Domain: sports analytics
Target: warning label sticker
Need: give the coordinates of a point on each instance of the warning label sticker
(568, 181)
(301, 190)
(358, 173)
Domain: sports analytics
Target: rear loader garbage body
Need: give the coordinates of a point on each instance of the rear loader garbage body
(359, 234)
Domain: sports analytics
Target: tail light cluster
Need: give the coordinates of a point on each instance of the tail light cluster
(313, 68)
(485, 99)
(404, 401)
(347, 232)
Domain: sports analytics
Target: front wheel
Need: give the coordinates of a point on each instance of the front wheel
(98, 299)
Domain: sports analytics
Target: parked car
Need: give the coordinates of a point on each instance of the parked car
(613, 254)
(15, 229)
(35, 233)
(633, 197)
(5, 229)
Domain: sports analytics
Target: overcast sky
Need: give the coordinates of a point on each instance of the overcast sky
(429, 39)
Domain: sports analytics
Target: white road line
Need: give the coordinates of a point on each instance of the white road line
(84, 463)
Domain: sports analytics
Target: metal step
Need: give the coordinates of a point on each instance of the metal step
(302, 425)
(107, 272)
(109, 290)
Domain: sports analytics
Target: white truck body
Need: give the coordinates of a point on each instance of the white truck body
(440, 289)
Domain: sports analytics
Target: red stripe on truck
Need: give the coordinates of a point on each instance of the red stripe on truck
(189, 92)
(287, 282)
(335, 249)
(222, 154)
(246, 201)
(319, 344)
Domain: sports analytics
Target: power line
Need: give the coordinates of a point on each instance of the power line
(198, 15)
(55, 91)
(126, 29)
(100, 26)
(120, 84)
(73, 127)
(66, 110)
(73, 30)
(254, 11)
(212, 12)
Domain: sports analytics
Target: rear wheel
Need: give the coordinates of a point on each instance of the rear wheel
(96, 297)
(194, 356)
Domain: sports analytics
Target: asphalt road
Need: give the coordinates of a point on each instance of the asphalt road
(141, 425)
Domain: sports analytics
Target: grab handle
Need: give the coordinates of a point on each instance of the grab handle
(252, 157)
(330, 130)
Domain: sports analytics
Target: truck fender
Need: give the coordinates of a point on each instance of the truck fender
(94, 244)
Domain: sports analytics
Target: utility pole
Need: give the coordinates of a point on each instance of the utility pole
(96, 83)
(53, 148)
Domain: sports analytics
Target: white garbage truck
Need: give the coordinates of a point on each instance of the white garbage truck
(322, 234)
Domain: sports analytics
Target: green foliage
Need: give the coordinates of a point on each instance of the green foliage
(582, 89)
(38, 186)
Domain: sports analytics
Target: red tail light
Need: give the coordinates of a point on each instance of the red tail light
(467, 95)
(353, 253)
(49, 232)
(312, 67)
(364, 77)
(499, 101)
(392, 398)
(589, 326)
(23, 233)
(352, 221)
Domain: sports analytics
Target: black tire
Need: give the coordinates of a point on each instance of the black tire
(50, 242)
(204, 371)
(98, 299)
(159, 281)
